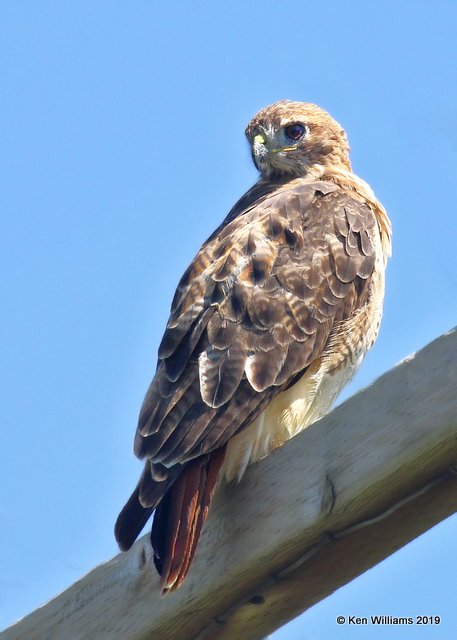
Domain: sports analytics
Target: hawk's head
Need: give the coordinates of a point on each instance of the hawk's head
(296, 139)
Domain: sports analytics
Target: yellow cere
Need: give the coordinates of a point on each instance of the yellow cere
(259, 139)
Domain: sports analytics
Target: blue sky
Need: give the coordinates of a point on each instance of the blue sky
(122, 149)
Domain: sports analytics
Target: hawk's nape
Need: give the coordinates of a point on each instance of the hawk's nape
(268, 323)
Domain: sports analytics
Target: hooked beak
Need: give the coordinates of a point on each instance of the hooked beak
(260, 141)
(261, 150)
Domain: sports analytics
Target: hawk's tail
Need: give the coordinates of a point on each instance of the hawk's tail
(181, 497)
(180, 516)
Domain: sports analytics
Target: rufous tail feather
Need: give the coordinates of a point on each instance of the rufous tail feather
(180, 516)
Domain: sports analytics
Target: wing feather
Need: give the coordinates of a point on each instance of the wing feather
(255, 308)
(220, 372)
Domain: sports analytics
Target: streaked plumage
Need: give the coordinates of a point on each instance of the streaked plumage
(268, 323)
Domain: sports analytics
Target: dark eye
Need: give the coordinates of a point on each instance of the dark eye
(295, 131)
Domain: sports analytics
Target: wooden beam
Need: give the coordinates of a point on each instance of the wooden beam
(347, 492)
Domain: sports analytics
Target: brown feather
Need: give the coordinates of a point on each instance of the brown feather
(139, 508)
(249, 332)
(220, 373)
(179, 519)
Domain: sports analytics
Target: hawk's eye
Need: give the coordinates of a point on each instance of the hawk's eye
(295, 131)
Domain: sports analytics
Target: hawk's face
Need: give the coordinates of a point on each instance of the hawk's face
(296, 139)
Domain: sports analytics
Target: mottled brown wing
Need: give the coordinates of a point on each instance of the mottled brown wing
(254, 309)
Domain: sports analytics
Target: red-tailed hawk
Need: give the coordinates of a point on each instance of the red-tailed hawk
(268, 323)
